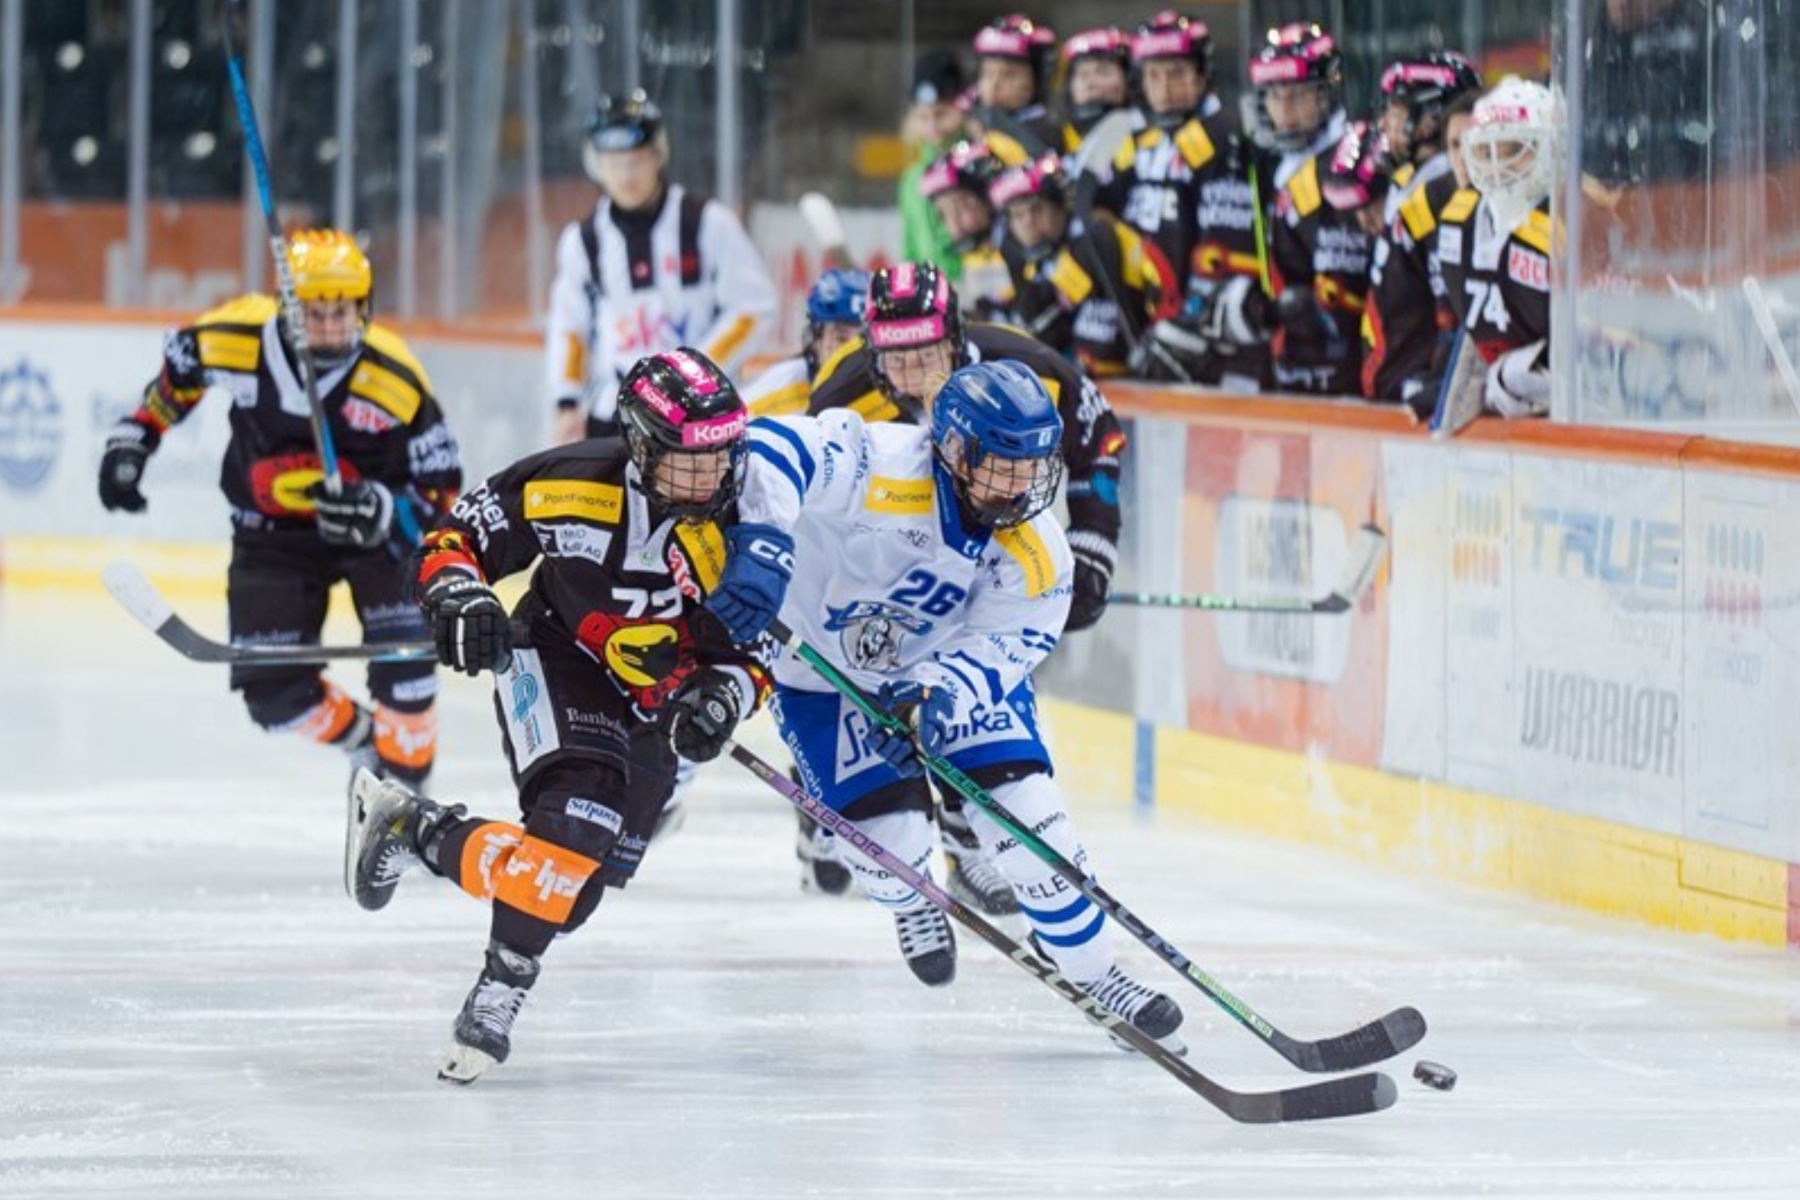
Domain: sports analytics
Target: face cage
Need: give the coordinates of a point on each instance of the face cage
(1511, 191)
(1034, 500)
(329, 361)
(959, 358)
(1294, 142)
(648, 454)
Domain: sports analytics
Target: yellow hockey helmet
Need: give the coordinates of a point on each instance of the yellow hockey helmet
(327, 264)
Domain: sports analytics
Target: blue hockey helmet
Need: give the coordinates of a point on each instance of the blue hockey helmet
(997, 434)
(838, 298)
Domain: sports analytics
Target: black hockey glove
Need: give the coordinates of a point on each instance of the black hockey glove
(360, 515)
(703, 715)
(468, 623)
(1094, 561)
(128, 448)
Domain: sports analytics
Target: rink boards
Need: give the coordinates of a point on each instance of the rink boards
(1629, 756)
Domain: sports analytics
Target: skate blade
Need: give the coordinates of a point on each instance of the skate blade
(363, 785)
(465, 1065)
(1170, 1042)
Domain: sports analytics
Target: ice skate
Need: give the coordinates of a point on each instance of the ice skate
(1155, 1015)
(820, 871)
(972, 878)
(386, 826)
(483, 1030)
(928, 944)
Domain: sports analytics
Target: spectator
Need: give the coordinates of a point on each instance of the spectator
(934, 123)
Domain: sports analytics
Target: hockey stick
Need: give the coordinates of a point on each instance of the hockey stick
(1101, 145)
(1764, 317)
(821, 217)
(1370, 1043)
(293, 321)
(1347, 1097)
(1364, 557)
(139, 597)
(1458, 403)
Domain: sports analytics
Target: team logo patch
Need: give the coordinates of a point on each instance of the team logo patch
(364, 417)
(279, 483)
(649, 660)
(872, 633)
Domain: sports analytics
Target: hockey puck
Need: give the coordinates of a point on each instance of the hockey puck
(1434, 1075)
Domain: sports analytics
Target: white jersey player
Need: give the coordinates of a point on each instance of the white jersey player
(927, 566)
(834, 314)
(653, 267)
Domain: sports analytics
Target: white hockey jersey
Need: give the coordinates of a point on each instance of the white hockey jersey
(691, 277)
(887, 584)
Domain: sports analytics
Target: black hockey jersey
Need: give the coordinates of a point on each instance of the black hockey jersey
(617, 579)
(384, 422)
(1497, 282)
(1319, 272)
(1404, 324)
(1071, 301)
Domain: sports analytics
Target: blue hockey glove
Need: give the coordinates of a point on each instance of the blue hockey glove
(759, 561)
(927, 709)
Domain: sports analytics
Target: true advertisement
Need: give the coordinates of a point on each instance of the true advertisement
(1597, 558)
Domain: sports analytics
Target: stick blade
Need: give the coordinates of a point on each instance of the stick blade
(1375, 1042)
(127, 585)
(1333, 1098)
(1361, 563)
(821, 217)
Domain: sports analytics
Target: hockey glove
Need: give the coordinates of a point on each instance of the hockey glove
(927, 710)
(468, 623)
(759, 561)
(128, 448)
(1095, 558)
(360, 515)
(703, 715)
(1518, 382)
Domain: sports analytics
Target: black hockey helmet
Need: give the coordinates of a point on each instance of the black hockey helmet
(911, 305)
(678, 405)
(622, 123)
(1428, 84)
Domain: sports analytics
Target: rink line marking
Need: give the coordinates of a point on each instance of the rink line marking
(1659, 879)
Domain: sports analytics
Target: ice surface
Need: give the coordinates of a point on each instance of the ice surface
(192, 1008)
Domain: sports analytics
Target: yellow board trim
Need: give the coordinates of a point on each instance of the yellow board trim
(901, 497)
(1024, 544)
(1433, 828)
(547, 499)
(392, 392)
(225, 351)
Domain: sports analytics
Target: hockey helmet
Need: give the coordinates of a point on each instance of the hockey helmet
(679, 410)
(996, 434)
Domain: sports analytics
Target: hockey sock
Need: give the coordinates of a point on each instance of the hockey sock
(907, 836)
(406, 742)
(533, 883)
(1068, 925)
(336, 720)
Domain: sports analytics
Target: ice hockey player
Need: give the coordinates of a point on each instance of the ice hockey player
(1096, 71)
(1186, 183)
(958, 589)
(653, 267)
(1087, 289)
(1013, 56)
(914, 338)
(619, 672)
(834, 311)
(1318, 258)
(1494, 243)
(1402, 332)
(956, 185)
(291, 539)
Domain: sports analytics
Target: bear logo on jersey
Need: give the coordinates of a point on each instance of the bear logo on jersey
(648, 660)
(872, 632)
